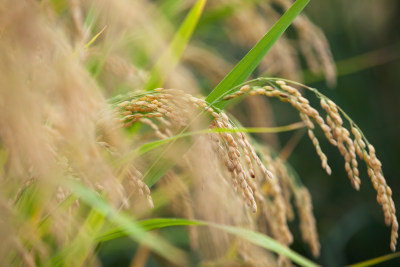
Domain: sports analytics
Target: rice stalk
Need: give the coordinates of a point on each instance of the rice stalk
(239, 158)
(337, 134)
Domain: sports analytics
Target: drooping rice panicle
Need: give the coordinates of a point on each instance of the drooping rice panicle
(336, 133)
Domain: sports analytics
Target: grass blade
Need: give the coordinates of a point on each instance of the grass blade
(375, 261)
(358, 63)
(94, 38)
(170, 59)
(163, 163)
(148, 225)
(80, 248)
(222, 12)
(154, 144)
(130, 227)
(251, 236)
(247, 65)
(267, 243)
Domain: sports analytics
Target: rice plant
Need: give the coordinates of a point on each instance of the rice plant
(110, 129)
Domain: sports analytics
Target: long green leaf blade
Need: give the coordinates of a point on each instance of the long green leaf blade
(162, 163)
(376, 261)
(251, 236)
(148, 225)
(247, 65)
(129, 226)
(154, 144)
(267, 243)
(170, 59)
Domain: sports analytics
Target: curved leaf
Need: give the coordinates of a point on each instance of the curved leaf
(129, 226)
(247, 65)
(154, 144)
(375, 261)
(251, 236)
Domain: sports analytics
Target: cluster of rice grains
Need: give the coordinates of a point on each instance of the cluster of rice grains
(239, 157)
(338, 135)
(269, 192)
(172, 109)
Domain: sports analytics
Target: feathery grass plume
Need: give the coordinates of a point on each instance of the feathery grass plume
(336, 133)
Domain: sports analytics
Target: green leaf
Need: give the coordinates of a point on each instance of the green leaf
(247, 65)
(357, 63)
(147, 225)
(162, 163)
(80, 248)
(90, 18)
(128, 225)
(267, 243)
(170, 59)
(251, 236)
(223, 11)
(94, 38)
(152, 145)
(171, 7)
(59, 6)
(375, 261)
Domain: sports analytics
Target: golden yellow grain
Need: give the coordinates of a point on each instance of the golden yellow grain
(338, 135)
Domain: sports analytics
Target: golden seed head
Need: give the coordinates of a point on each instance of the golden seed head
(123, 104)
(281, 82)
(245, 88)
